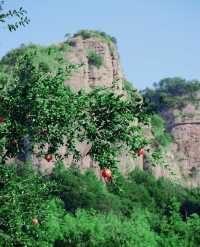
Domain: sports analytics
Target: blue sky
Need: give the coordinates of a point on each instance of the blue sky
(156, 39)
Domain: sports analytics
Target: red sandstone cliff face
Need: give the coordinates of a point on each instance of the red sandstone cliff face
(91, 75)
(183, 156)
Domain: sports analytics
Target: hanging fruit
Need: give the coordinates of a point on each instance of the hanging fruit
(106, 173)
(1, 119)
(35, 221)
(141, 152)
(48, 157)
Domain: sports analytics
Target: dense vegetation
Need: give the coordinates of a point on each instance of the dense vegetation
(36, 101)
(172, 93)
(169, 93)
(72, 209)
(47, 59)
(85, 34)
(162, 137)
(67, 208)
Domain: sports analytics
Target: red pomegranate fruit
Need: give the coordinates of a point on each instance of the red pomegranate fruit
(48, 157)
(141, 152)
(106, 173)
(1, 119)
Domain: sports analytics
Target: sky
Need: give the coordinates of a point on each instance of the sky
(156, 38)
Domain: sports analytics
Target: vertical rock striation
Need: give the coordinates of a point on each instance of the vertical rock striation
(90, 75)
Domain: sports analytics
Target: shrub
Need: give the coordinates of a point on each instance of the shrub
(92, 229)
(94, 59)
(162, 137)
(83, 191)
(86, 34)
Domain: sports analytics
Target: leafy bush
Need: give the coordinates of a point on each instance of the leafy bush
(91, 229)
(49, 57)
(162, 137)
(86, 34)
(83, 191)
(94, 59)
(128, 86)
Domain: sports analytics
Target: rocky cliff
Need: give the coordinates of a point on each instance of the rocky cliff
(177, 101)
(184, 125)
(91, 74)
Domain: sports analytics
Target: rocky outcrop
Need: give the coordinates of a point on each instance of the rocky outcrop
(90, 75)
(183, 156)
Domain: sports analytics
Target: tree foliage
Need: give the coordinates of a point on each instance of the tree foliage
(94, 59)
(162, 137)
(38, 101)
(18, 17)
(171, 93)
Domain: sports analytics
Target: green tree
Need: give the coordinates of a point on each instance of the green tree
(37, 102)
(171, 93)
(24, 196)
